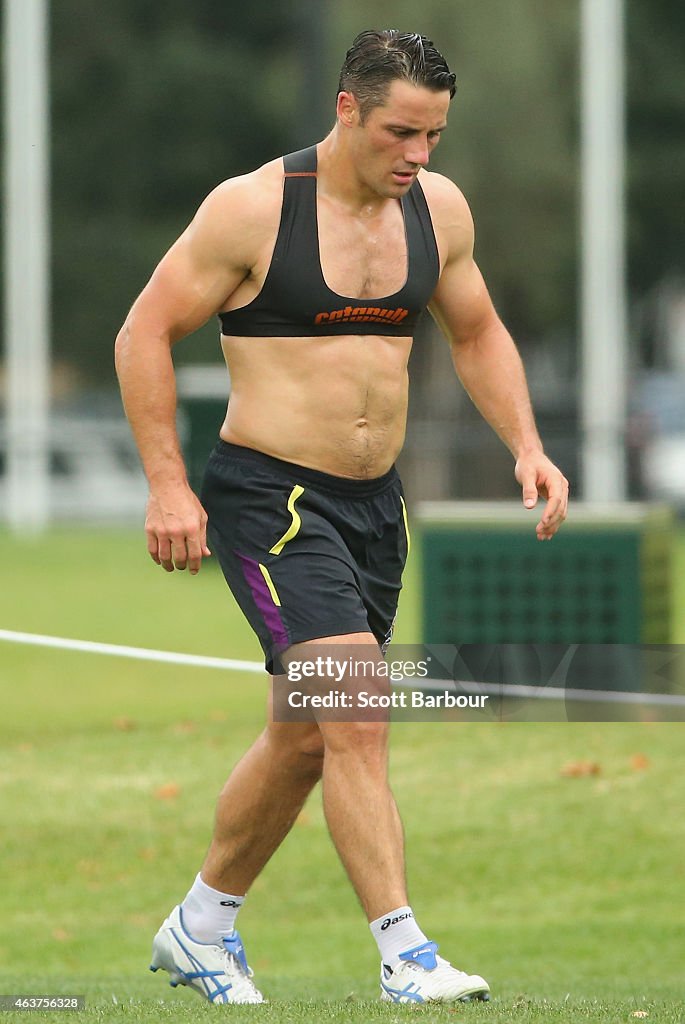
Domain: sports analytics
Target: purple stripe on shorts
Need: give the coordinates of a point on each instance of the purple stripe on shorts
(263, 600)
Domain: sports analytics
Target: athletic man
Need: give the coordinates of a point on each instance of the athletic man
(318, 265)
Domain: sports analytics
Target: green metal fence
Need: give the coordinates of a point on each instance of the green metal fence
(604, 579)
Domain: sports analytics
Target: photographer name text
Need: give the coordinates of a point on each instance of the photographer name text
(396, 699)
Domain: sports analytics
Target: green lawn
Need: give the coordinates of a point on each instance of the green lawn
(566, 893)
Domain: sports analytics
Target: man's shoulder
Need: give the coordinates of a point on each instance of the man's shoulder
(252, 196)
(450, 214)
(443, 196)
(240, 216)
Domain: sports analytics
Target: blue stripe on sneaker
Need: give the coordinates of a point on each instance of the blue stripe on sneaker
(408, 994)
(201, 973)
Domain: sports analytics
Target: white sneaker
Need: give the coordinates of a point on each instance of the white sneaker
(219, 973)
(423, 977)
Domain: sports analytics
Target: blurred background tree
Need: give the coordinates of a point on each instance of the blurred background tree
(152, 105)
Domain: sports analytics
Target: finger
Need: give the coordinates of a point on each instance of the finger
(206, 553)
(557, 505)
(552, 519)
(179, 552)
(165, 559)
(195, 551)
(546, 532)
(552, 511)
(153, 546)
(530, 492)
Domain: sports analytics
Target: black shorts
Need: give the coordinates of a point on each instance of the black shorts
(305, 554)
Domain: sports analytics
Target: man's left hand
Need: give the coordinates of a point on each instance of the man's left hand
(539, 477)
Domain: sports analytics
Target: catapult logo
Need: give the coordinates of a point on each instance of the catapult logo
(363, 314)
(395, 920)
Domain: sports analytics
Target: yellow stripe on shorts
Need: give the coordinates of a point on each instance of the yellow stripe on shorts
(270, 584)
(406, 524)
(294, 526)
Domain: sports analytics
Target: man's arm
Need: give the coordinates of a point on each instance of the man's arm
(190, 284)
(487, 360)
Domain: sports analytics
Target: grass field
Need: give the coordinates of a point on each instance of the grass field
(566, 893)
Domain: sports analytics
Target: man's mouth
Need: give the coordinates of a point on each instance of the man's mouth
(404, 177)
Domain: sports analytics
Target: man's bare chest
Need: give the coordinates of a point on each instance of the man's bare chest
(363, 256)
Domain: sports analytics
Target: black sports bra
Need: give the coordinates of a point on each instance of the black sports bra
(295, 300)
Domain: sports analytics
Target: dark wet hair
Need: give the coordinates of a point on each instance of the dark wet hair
(378, 58)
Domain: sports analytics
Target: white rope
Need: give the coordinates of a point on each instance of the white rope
(554, 692)
(139, 653)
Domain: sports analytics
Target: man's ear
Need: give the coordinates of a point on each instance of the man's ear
(347, 109)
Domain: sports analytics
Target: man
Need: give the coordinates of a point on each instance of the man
(318, 265)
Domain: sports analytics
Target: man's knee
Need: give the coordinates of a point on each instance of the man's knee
(367, 740)
(299, 743)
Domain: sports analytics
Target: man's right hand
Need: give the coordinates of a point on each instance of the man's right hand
(176, 529)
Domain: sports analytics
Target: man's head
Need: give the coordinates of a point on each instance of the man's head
(378, 58)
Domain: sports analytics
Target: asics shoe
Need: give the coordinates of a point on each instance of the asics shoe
(218, 972)
(424, 977)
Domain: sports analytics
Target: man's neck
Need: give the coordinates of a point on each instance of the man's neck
(338, 178)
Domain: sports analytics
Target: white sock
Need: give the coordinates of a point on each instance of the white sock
(209, 915)
(395, 933)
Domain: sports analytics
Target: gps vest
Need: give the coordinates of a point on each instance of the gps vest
(295, 300)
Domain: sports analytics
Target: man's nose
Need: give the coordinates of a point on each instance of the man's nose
(417, 152)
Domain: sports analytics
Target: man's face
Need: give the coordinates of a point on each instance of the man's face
(396, 139)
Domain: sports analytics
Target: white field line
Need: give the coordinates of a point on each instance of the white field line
(428, 686)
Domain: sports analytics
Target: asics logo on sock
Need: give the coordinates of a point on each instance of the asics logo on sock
(395, 920)
(228, 903)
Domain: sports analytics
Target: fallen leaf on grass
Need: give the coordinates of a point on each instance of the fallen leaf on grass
(124, 724)
(639, 763)
(168, 791)
(580, 769)
(184, 728)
